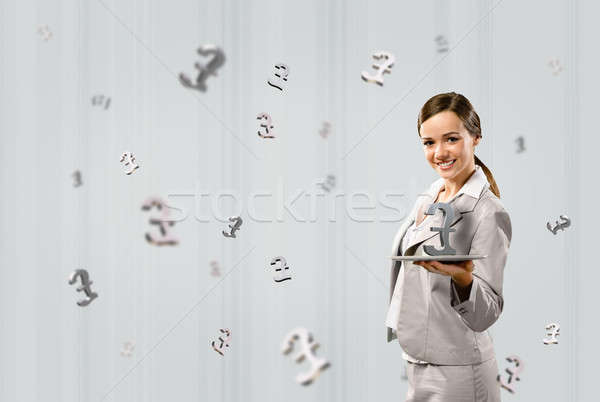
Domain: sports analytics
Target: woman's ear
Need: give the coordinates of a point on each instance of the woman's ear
(476, 141)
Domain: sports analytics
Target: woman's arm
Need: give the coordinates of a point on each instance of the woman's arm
(481, 305)
(476, 289)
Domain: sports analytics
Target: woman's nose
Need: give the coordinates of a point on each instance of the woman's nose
(440, 152)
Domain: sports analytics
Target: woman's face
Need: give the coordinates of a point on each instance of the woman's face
(448, 146)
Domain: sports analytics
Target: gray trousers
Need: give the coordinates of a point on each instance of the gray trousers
(471, 383)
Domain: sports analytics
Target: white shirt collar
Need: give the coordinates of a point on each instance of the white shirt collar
(473, 186)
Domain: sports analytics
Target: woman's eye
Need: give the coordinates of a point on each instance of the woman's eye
(426, 143)
(454, 139)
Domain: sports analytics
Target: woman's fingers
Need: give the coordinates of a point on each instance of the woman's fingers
(431, 267)
(458, 268)
(437, 266)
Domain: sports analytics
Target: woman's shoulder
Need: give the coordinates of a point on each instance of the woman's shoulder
(490, 207)
(489, 203)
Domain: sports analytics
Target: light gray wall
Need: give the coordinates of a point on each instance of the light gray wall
(165, 300)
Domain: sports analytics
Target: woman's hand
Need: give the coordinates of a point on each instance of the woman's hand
(461, 272)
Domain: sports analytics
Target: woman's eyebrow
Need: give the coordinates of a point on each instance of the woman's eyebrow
(451, 132)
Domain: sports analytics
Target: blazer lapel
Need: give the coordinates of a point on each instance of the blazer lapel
(406, 224)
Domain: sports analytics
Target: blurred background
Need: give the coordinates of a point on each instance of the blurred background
(82, 82)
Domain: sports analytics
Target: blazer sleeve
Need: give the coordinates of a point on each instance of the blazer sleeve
(492, 238)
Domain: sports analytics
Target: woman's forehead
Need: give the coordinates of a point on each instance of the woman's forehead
(439, 125)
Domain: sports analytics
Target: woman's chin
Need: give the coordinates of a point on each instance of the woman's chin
(445, 174)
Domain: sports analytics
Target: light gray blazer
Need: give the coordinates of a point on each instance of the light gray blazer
(429, 320)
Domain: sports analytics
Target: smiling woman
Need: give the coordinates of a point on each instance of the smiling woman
(440, 312)
(450, 130)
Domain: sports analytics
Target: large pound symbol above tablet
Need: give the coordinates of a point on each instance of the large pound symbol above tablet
(307, 350)
(445, 230)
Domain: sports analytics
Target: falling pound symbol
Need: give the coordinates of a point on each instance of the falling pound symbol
(99, 99)
(512, 375)
(384, 67)
(163, 223)
(330, 183)
(77, 177)
(521, 143)
(233, 227)
(307, 350)
(325, 130)
(85, 286)
(129, 160)
(553, 330)
(283, 267)
(225, 342)
(127, 349)
(45, 32)
(555, 65)
(442, 44)
(215, 268)
(204, 71)
(268, 125)
(566, 222)
(281, 72)
(445, 230)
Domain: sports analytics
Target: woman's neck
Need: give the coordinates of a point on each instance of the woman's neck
(452, 187)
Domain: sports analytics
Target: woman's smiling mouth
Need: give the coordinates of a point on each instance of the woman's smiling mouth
(446, 165)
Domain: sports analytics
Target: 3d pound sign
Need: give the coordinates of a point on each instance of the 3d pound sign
(127, 349)
(512, 375)
(281, 76)
(85, 286)
(164, 238)
(442, 43)
(99, 99)
(233, 227)
(384, 67)
(553, 330)
(267, 125)
(225, 341)
(445, 230)
(566, 222)
(325, 130)
(330, 183)
(204, 71)
(307, 351)
(521, 142)
(129, 159)
(77, 177)
(215, 268)
(283, 267)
